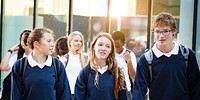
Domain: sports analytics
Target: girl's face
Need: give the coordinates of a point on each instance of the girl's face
(102, 48)
(46, 44)
(76, 43)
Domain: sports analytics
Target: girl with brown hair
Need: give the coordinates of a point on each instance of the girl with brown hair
(105, 80)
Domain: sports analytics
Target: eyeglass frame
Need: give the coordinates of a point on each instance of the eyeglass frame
(165, 32)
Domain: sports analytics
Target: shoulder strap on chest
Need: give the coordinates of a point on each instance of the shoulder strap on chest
(56, 68)
(23, 65)
(67, 57)
(149, 57)
(86, 72)
(185, 53)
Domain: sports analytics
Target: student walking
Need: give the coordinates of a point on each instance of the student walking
(75, 59)
(169, 77)
(42, 79)
(126, 59)
(101, 79)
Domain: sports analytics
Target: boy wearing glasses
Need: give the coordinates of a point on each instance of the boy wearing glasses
(171, 78)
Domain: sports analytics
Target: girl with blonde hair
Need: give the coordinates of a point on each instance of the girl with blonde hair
(75, 60)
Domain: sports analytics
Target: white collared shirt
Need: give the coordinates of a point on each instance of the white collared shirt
(158, 53)
(123, 64)
(103, 69)
(33, 63)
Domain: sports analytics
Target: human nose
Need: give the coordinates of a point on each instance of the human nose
(103, 47)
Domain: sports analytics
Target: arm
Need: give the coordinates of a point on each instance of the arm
(63, 91)
(141, 82)
(4, 63)
(131, 63)
(193, 77)
(16, 82)
(80, 87)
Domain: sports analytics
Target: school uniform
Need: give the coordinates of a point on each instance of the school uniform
(39, 82)
(172, 78)
(104, 90)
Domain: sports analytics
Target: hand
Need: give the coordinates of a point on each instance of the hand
(127, 56)
(15, 48)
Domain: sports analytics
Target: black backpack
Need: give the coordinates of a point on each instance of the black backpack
(6, 84)
(6, 92)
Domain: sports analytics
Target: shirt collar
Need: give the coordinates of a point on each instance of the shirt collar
(122, 53)
(33, 63)
(158, 53)
(103, 69)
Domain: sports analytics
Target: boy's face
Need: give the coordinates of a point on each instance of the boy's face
(118, 46)
(164, 35)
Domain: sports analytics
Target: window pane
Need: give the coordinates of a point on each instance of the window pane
(17, 17)
(89, 17)
(15, 20)
(53, 14)
(130, 17)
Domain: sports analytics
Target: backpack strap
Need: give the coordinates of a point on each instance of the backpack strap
(19, 56)
(149, 57)
(86, 72)
(23, 65)
(185, 53)
(67, 57)
(56, 68)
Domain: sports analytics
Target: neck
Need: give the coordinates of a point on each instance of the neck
(73, 52)
(100, 62)
(39, 58)
(27, 52)
(166, 48)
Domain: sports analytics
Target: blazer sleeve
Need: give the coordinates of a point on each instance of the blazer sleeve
(16, 82)
(141, 81)
(80, 87)
(193, 77)
(63, 91)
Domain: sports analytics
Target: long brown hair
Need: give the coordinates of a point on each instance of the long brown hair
(111, 62)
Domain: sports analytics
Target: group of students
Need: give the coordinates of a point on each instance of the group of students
(108, 70)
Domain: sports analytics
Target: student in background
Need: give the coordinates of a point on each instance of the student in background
(22, 50)
(39, 82)
(104, 79)
(126, 59)
(75, 59)
(172, 78)
(61, 48)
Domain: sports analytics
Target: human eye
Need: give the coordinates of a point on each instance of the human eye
(75, 40)
(108, 46)
(166, 32)
(100, 44)
(156, 32)
(49, 40)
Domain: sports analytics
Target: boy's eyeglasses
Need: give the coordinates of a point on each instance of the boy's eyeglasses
(164, 32)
